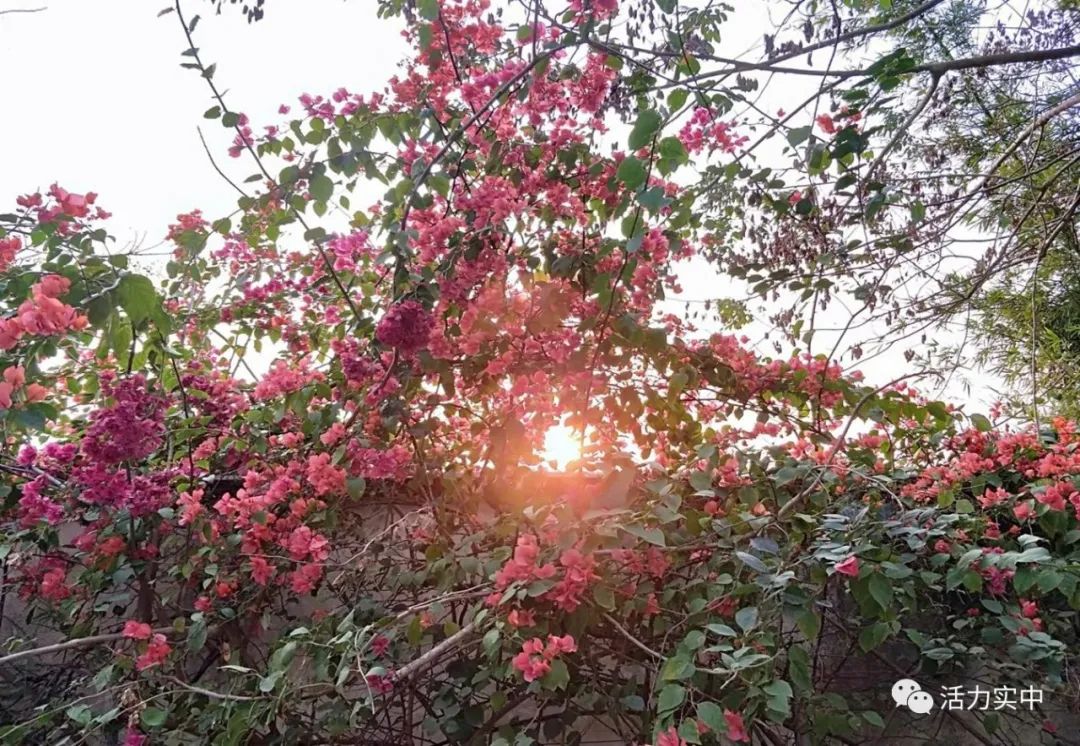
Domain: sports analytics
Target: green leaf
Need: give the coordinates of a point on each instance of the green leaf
(138, 297)
(152, 717)
(604, 597)
(429, 9)
(798, 135)
(104, 677)
(678, 668)
(712, 715)
(671, 696)
(799, 668)
(81, 714)
(283, 656)
(1048, 580)
(631, 172)
(355, 486)
(1033, 554)
(873, 636)
(672, 149)
(753, 562)
(981, 423)
(873, 718)
(648, 124)
(809, 623)
(653, 199)
(650, 534)
(267, 683)
(778, 688)
(779, 702)
(688, 732)
(120, 336)
(747, 617)
(321, 187)
(197, 636)
(881, 590)
(558, 677)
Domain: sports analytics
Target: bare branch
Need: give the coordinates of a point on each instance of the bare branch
(23, 10)
(451, 642)
(79, 642)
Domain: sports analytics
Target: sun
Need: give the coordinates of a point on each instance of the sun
(562, 446)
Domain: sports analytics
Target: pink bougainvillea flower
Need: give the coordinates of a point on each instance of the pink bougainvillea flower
(826, 123)
(406, 326)
(35, 392)
(137, 630)
(1023, 510)
(849, 567)
(529, 662)
(557, 645)
(133, 737)
(670, 737)
(15, 375)
(736, 728)
(261, 570)
(521, 618)
(156, 652)
(379, 645)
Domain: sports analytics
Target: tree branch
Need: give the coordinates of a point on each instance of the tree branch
(23, 10)
(451, 642)
(79, 642)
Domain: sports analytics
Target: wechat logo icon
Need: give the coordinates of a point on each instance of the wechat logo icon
(908, 693)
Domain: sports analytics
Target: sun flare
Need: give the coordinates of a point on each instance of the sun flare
(562, 445)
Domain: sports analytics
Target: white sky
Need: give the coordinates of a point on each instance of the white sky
(96, 100)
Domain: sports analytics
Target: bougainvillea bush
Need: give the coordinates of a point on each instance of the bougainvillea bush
(292, 488)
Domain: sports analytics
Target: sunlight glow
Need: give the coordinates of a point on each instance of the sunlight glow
(562, 445)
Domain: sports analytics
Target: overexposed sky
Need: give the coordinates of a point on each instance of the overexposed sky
(96, 100)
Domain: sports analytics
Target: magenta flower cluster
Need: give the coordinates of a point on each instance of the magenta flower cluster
(406, 326)
(128, 430)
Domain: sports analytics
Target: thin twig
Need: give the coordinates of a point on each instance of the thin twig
(212, 694)
(23, 10)
(633, 640)
(217, 168)
(935, 78)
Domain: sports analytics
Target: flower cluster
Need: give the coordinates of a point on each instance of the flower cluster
(154, 653)
(43, 314)
(406, 326)
(534, 660)
(703, 131)
(128, 429)
(14, 384)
